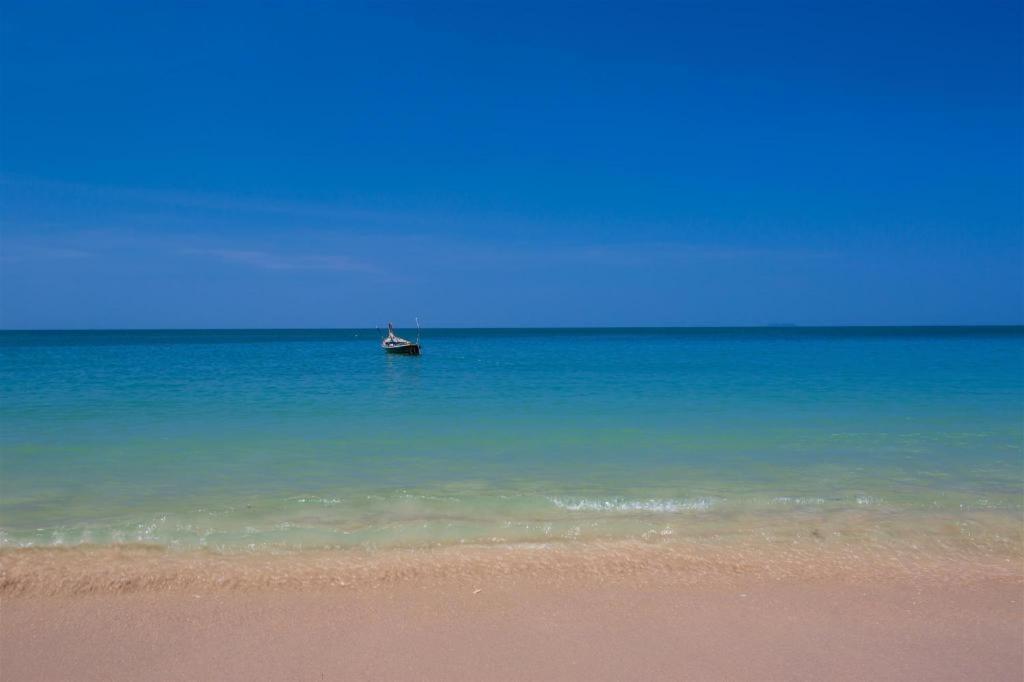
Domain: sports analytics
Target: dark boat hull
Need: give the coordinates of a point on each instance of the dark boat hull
(411, 349)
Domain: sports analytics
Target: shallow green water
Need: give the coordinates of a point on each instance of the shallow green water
(232, 439)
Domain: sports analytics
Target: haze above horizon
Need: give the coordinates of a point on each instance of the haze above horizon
(535, 165)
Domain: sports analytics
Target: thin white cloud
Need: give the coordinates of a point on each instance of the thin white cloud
(619, 255)
(31, 253)
(219, 203)
(279, 261)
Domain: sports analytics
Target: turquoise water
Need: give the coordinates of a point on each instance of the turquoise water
(229, 439)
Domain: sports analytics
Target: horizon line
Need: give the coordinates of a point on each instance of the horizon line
(850, 325)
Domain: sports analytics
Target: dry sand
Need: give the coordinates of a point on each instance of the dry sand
(524, 629)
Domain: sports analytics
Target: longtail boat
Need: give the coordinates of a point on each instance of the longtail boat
(395, 344)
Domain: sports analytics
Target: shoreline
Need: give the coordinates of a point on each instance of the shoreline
(116, 569)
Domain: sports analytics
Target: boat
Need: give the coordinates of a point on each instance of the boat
(396, 345)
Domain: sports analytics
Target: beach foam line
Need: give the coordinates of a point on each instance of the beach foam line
(133, 568)
(618, 504)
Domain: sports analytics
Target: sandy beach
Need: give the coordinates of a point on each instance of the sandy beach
(621, 612)
(756, 631)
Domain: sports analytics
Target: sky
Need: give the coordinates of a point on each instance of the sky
(192, 165)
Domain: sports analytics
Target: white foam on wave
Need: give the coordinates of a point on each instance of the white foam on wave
(799, 500)
(328, 501)
(618, 504)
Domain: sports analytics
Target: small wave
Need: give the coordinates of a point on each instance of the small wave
(618, 504)
(318, 500)
(799, 500)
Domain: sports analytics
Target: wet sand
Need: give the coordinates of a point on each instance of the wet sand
(524, 629)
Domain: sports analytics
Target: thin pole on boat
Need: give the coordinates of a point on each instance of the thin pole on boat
(417, 331)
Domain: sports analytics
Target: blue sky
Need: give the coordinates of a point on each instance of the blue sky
(333, 164)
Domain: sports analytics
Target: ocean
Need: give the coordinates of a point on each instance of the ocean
(264, 441)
